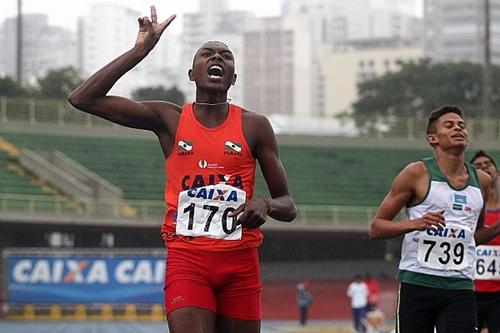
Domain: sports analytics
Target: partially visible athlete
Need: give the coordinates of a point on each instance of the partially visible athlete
(211, 227)
(487, 283)
(444, 199)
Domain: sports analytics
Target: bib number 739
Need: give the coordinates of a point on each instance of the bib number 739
(444, 253)
(456, 255)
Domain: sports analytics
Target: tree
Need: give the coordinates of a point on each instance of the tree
(10, 88)
(59, 83)
(419, 87)
(172, 94)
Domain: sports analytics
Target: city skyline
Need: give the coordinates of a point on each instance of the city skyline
(295, 38)
(66, 13)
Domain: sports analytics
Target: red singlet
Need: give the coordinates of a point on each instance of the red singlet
(492, 216)
(209, 172)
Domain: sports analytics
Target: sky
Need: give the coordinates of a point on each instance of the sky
(65, 12)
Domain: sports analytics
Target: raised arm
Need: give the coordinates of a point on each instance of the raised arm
(91, 96)
(404, 189)
(280, 206)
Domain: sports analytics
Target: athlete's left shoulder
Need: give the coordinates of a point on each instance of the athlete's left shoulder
(484, 180)
(257, 129)
(254, 118)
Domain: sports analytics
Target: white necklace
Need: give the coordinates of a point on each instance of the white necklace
(220, 103)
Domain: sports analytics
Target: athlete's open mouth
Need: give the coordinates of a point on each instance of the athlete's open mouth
(215, 72)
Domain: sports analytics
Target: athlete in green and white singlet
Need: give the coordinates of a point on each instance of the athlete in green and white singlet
(444, 200)
(443, 258)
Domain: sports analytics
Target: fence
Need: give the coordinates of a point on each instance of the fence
(59, 112)
(37, 205)
(40, 205)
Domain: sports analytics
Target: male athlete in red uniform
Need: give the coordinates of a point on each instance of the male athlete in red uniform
(211, 227)
(487, 275)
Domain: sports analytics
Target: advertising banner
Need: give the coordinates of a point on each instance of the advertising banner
(85, 279)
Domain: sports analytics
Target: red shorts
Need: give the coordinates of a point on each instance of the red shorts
(225, 282)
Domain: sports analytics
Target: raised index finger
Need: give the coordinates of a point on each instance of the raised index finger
(167, 22)
(154, 17)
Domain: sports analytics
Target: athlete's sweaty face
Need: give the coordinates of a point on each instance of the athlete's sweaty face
(451, 131)
(213, 67)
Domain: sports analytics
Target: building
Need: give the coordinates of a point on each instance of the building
(214, 21)
(344, 70)
(119, 23)
(278, 66)
(344, 26)
(454, 30)
(45, 47)
(337, 22)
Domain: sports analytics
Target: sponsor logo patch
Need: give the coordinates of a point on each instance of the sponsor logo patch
(185, 147)
(460, 199)
(233, 148)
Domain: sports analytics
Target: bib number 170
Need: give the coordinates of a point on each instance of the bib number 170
(205, 212)
(213, 210)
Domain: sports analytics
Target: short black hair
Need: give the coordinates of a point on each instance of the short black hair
(207, 42)
(436, 114)
(481, 153)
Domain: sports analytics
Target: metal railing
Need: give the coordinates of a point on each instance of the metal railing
(45, 111)
(36, 205)
(40, 205)
(60, 113)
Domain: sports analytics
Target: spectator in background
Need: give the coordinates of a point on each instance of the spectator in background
(373, 292)
(487, 275)
(304, 299)
(358, 292)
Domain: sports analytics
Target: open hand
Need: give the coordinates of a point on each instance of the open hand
(150, 30)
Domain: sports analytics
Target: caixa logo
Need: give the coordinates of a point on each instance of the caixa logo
(213, 194)
(447, 233)
(487, 251)
(194, 181)
(87, 271)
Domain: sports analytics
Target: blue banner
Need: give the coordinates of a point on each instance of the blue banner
(82, 279)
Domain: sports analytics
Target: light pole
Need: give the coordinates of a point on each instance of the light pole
(19, 55)
(486, 63)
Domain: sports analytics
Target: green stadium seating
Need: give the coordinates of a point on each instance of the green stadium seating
(12, 182)
(317, 175)
(343, 176)
(136, 166)
(17, 188)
